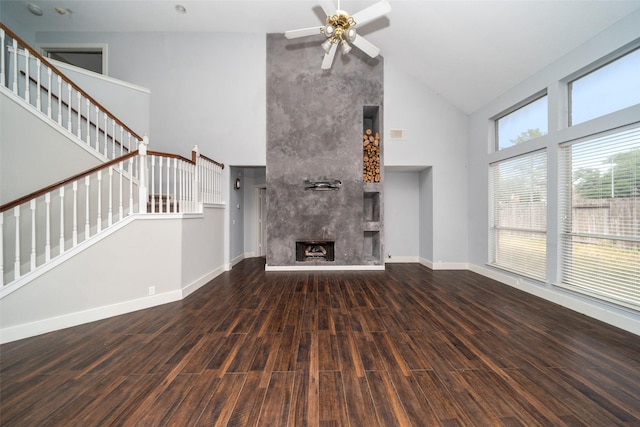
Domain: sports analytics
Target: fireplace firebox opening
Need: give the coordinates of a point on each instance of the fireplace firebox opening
(315, 250)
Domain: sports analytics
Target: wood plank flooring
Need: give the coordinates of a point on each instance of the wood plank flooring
(408, 346)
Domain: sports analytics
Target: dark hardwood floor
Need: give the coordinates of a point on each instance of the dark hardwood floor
(408, 346)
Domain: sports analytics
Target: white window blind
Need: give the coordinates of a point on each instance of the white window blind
(518, 212)
(601, 217)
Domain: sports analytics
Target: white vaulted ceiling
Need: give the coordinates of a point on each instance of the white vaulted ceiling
(468, 52)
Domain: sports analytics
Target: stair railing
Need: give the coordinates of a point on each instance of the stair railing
(31, 77)
(47, 223)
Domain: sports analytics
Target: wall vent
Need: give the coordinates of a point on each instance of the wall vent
(396, 134)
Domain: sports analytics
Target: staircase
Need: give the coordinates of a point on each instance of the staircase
(48, 226)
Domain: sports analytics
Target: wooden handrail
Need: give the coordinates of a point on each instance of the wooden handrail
(202, 156)
(172, 156)
(66, 181)
(66, 79)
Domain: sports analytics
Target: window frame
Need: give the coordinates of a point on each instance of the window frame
(590, 69)
(518, 106)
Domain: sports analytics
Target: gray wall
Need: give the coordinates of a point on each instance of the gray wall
(314, 131)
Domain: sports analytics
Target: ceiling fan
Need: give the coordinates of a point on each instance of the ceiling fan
(340, 29)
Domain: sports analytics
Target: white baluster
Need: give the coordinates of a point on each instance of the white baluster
(175, 185)
(49, 91)
(2, 74)
(110, 212)
(59, 100)
(32, 206)
(120, 197)
(99, 219)
(143, 196)
(152, 182)
(15, 66)
(113, 135)
(79, 114)
(27, 83)
(69, 108)
(62, 249)
(87, 210)
(88, 103)
(75, 213)
(38, 85)
(106, 139)
(168, 201)
(47, 225)
(2, 213)
(131, 185)
(16, 265)
(160, 194)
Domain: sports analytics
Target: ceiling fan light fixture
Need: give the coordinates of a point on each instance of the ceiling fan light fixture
(351, 34)
(326, 45)
(345, 47)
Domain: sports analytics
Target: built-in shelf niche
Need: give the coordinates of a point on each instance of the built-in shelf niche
(371, 250)
(371, 206)
(371, 145)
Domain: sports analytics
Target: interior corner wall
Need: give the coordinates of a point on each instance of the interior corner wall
(236, 214)
(436, 137)
(402, 199)
(425, 230)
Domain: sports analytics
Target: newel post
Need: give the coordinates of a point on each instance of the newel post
(143, 193)
(195, 158)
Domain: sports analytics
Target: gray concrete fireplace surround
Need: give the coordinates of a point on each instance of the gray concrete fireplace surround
(315, 124)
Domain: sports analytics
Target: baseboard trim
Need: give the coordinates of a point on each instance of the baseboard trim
(439, 265)
(324, 268)
(194, 286)
(401, 259)
(606, 313)
(74, 319)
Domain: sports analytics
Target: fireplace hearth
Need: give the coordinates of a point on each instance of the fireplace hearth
(315, 250)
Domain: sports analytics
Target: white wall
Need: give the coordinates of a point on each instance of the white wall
(207, 88)
(436, 136)
(33, 152)
(113, 275)
(401, 216)
(128, 102)
(481, 155)
(236, 215)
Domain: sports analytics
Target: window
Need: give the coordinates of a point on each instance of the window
(525, 123)
(607, 89)
(600, 252)
(518, 212)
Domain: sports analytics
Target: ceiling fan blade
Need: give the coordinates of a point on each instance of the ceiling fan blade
(328, 57)
(366, 46)
(328, 6)
(372, 12)
(303, 32)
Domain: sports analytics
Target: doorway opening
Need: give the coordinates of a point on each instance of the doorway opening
(88, 57)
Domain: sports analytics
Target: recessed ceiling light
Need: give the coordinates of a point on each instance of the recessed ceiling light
(60, 10)
(35, 9)
(181, 9)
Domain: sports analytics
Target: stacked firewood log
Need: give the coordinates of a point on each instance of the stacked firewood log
(371, 159)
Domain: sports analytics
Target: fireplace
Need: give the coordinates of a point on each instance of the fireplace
(315, 250)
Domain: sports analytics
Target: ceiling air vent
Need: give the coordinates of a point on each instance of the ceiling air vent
(396, 134)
